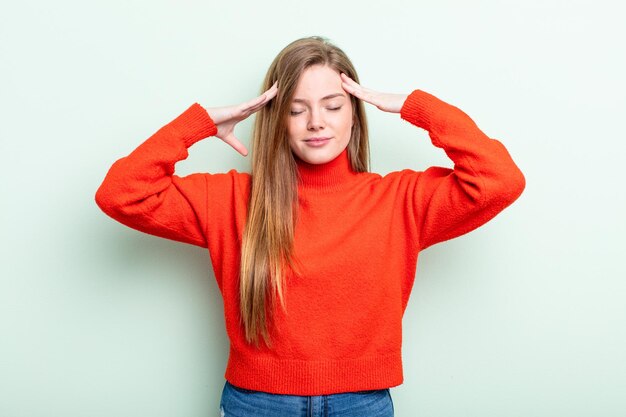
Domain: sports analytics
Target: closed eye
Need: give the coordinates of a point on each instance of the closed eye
(295, 113)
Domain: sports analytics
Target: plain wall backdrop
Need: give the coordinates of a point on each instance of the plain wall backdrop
(523, 317)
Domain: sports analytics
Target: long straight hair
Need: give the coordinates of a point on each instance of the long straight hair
(267, 245)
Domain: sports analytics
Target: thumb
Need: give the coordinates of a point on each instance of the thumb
(234, 142)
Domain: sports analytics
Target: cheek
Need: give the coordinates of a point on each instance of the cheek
(295, 125)
(346, 121)
(347, 116)
(291, 129)
(294, 131)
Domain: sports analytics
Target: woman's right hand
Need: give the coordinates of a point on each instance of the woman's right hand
(225, 118)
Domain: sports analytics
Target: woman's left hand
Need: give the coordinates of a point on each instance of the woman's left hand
(388, 102)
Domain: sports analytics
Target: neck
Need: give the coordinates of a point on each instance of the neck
(331, 175)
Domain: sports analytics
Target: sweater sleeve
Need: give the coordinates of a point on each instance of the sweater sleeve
(141, 190)
(447, 203)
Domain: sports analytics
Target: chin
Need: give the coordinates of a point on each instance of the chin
(317, 158)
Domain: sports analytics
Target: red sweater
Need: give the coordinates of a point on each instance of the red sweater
(358, 237)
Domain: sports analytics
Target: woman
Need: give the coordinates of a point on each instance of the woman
(315, 256)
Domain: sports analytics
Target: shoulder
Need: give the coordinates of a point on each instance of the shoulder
(408, 175)
(218, 182)
(387, 184)
(232, 178)
(407, 179)
(397, 178)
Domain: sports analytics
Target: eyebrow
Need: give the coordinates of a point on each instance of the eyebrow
(301, 100)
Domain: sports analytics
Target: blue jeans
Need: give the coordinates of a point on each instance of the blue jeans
(241, 402)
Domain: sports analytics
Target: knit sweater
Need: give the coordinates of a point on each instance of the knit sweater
(358, 236)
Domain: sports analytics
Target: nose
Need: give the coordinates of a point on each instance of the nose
(315, 121)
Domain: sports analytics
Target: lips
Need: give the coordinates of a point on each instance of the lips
(316, 139)
(317, 142)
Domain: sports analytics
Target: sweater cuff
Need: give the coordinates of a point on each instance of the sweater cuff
(194, 124)
(420, 108)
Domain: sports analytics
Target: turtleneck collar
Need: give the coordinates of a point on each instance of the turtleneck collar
(331, 175)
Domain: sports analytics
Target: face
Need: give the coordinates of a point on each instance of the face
(320, 121)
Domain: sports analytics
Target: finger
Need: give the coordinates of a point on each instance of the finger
(350, 85)
(357, 87)
(346, 78)
(253, 103)
(247, 111)
(256, 108)
(351, 90)
(236, 145)
(260, 101)
(354, 90)
(272, 91)
(253, 109)
(273, 87)
(358, 91)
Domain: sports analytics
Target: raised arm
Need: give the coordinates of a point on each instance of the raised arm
(447, 203)
(484, 181)
(141, 190)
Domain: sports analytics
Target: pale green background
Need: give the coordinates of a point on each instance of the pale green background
(523, 317)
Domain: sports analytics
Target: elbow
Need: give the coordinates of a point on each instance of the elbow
(101, 199)
(515, 183)
(508, 187)
(104, 198)
(118, 202)
(520, 183)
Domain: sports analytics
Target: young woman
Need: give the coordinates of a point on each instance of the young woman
(314, 255)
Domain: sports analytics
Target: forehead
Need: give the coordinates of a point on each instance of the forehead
(318, 83)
